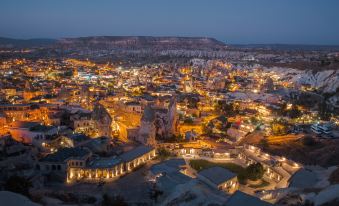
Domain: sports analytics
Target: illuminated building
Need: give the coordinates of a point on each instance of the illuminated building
(60, 161)
(109, 168)
(31, 132)
(219, 178)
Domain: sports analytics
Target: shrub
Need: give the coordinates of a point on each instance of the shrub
(254, 171)
(163, 154)
(279, 127)
(264, 143)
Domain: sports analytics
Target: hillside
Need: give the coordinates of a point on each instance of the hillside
(24, 43)
(141, 42)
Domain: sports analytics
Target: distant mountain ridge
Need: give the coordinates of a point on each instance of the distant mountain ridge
(146, 42)
(25, 43)
(142, 42)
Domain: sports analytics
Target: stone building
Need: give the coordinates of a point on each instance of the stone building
(147, 130)
(60, 161)
(32, 132)
(109, 168)
(81, 121)
(159, 121)
(102, 120)
(219, 178)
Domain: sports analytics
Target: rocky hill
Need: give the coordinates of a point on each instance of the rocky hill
(324, 82)
(142, 42)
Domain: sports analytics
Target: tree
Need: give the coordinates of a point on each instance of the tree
(163, 153)
(192, 102)
(228, 108)
(68, 73)
(264, 143)
(255, 171)
(282, 110)
(242, 177)
(294, 112)
(254, 120)
(206, 128)
(324, 112)
(18, 185)
(279, 127)
(188, 120)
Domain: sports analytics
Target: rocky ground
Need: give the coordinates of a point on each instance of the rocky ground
(324, 152)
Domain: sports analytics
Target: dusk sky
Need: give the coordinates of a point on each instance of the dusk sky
(231, 21)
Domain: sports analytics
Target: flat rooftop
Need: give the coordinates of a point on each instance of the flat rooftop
(242, 199)
(135, 153)
(217, 175)
(66, 153)
(24, 124)
(105, 162)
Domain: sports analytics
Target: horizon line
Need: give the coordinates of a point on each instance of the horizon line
(164, 36)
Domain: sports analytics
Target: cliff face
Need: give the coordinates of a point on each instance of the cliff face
(141, 42)
(326, 82)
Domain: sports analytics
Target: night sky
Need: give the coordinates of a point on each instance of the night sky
(231, 21)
